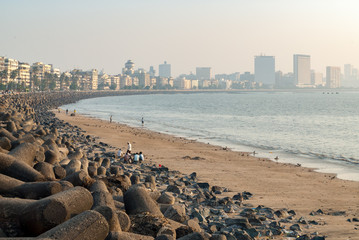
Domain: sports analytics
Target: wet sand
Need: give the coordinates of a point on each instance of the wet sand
(274, 185)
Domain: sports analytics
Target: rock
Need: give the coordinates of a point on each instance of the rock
(166, 198)
(176, 213)
(18, 169)
(89, 225)
(46, 169)
(194, 236)
(124, 220)
(137, 200)
(48, 212)
(110, 216)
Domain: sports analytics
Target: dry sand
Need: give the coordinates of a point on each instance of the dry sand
(273, 184)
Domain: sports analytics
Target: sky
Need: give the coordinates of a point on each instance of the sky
(222, 34)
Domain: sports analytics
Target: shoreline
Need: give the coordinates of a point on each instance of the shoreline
(343, 168)
(273, 184)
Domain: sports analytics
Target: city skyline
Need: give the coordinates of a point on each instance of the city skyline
(224, 35)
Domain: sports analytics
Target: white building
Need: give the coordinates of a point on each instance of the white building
(264, 69)
(301, 70)
(333, 77)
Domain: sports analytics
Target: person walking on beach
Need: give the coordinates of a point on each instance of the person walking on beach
(67, 111)
(129, 147)
(142, 121)
(111, 119)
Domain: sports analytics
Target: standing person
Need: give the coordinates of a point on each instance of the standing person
(129, 147)
(111, 119)
(142, 121)
(67, 111)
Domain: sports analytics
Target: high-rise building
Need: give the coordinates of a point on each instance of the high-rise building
(301, 70)
(264, 69)
(204, 73)
(333, 77)
(164, 70)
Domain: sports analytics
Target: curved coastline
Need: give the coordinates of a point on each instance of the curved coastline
(283, 187)
(344, 169)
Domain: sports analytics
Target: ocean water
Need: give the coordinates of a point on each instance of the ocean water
(314, 129)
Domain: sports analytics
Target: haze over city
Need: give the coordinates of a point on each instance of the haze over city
(224, 35)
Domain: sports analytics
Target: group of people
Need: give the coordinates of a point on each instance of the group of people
(129, 157)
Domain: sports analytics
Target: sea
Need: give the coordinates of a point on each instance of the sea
(314, 129)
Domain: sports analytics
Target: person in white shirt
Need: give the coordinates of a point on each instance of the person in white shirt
(136, 158)
(129, 147)
(141, 158)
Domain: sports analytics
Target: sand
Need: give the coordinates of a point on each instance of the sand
(272, 184)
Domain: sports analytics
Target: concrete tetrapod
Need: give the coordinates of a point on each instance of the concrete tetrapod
(35, 190)
(25, 152)
(48, 212)
(137, 200)
(18, 169)
(89, 225)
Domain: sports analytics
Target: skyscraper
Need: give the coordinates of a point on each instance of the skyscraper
(164, 70)
(301, 70)
(264, 69)
(204, 73)
(333, 77)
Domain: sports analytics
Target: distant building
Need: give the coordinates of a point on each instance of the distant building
(24, 74)
(301, 70)
(350, 78)
(316, 78)
(233, 76)
(10, 65)
(284, 81)
(143, 78)
(333, 77)
(264, 70)
(152, 72)
(129, 68)
(204, 73)
(164, 70)
(247, 76)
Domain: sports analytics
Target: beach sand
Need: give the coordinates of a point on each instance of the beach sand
(272, 184)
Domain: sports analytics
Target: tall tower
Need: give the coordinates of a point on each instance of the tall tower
(264, 69)
(301, 70)
(164, 70)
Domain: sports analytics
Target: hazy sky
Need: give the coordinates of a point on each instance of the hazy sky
(222, 34)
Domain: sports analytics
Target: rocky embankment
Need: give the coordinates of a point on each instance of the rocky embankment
(56, 182)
